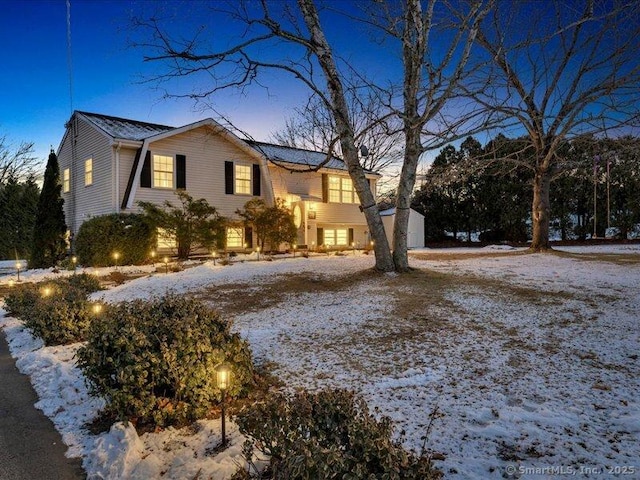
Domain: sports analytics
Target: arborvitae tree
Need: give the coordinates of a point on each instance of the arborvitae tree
(49, 231)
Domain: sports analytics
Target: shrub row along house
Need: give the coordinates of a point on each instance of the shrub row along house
(109, 164)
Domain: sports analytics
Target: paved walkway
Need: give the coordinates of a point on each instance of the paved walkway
(30, 446)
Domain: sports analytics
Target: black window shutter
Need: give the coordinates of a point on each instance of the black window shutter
(145, 175)
(325, 188)
(181, 171)
(320, 236)
(256, 180)
(228, 178)
(350, 236)
(248, 237)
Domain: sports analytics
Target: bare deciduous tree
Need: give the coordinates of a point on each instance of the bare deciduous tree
(377, 132)
(560, 72)
(16, 163)
(434, 44)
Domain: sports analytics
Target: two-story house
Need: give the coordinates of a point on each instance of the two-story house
(109, 164)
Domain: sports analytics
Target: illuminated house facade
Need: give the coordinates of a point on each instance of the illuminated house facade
(109, 164)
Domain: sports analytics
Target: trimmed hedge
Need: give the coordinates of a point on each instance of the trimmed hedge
(58, 311)
(131, 235)
(329, 434)
(155, 361)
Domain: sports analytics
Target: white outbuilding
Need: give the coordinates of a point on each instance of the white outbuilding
(415, 235)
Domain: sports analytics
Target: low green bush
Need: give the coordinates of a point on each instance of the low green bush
(84, 281)
(155, 361)
(131, 235)
(57, 311)
(329, 434)
(21, 300)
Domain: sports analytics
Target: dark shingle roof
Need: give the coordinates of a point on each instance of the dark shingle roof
(124, 128)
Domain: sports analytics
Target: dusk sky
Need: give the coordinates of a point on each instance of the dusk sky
(107, 73)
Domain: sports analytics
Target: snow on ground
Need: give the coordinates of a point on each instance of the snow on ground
(530, 360)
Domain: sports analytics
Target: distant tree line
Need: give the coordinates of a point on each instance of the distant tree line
(19, 194)
(472, 189)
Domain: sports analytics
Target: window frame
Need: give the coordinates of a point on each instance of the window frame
(66, 180)
(244, 182)
(340, 193)
(239, 230)
(155, 184)
(88, 172)
(335, 236)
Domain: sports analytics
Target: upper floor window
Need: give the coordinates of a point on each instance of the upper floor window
(88, 172)
(66, 180)
(243, 179)
(162, 171)
(341, 190)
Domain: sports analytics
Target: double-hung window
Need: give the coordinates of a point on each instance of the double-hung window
(243, 179)
(88, 172)
(341, 190)
(66, 180)
(162, 171)
(235, 237)
(336, 237)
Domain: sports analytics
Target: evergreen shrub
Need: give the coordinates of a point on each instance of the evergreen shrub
(155, 361)
(58, 311)
(131, 235)
(328, 434)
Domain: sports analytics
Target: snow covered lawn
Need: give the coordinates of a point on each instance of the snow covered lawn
(520, 360)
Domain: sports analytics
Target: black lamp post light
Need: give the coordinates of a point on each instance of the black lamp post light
(223, 380)
(18, 268)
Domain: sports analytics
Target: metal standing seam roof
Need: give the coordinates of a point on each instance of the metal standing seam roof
(126, 129)
(298, 156)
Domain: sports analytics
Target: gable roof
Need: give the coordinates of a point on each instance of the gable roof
(134, 130)
(124, 128)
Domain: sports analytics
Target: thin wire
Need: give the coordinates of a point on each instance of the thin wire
(69, 57)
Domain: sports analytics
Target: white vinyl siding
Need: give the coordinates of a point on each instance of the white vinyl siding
(206, 153)
(235, 237)
(243, 179)
(88, 172)
(162, 171)
(310, 183)
(80, 203)
(66, 180)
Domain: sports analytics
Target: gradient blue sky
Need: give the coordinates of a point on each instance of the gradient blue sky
(34, 80)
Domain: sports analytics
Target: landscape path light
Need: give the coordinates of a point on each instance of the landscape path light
(214, 254)
(46, 291)
(116, 256)
(223, 380)
(166, 264)
(294, 250)
(153, 257)
(96, 308)
(18, 267)
(258, 251)
(353, 245)
(74, 262)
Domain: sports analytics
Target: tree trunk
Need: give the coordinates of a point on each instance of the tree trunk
(340, 112)
(540, 213)
(403, 200)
